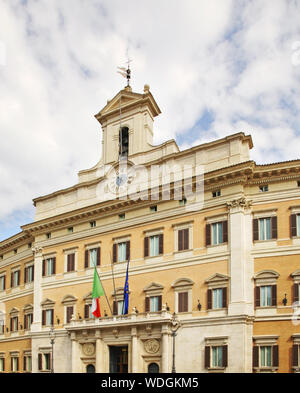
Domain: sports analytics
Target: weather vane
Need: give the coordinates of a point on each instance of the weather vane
(126, 73)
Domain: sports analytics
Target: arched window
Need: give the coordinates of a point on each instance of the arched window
(90, 368)
(153, 368)
(123, 142)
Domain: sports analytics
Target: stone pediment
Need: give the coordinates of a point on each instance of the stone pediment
(14, 310)
(216, 278)
(266, 274)
(88, 296)
(153, 286)
(183, 282)
(124, 97)
(28, 307)
(69, 299)
(47, 302)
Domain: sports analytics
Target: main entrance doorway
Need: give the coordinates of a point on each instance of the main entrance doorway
(118, 359)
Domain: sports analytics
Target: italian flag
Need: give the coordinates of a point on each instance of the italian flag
(97, 292)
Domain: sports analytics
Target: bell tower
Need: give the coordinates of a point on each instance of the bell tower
(127, 124)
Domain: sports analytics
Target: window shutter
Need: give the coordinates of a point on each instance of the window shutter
(225, 355)
(255, 229)
(86, 311)
(255, 356)
(257, 296)
(146, 246)
(98, 256)
(274, 295)
(115, 308)
(17, 364)
(295, 355)
(25, 322)
(185, 302)
(209, 299)
(274, 227)
(161, 243)
(11, 324)
(180, 240)
(115, 252)
(225, 231)
(275, 356)
(40, 359)
(296, 293)
(24, 363)
(207, 235)
(25, 275)
(33, 273)
(11, 364)
(52, 315)
(224, 295)
(12, 280)
(86, 258)
(293, 227)
(159, 302)
(68, 262)
(186, 239)
(128, 250)
(54, 266)
(44, 267)
(180, 302)
(69, 313)
(19, 276)
(207, 357)
(44, 317)
(4, 282)
(147, 304)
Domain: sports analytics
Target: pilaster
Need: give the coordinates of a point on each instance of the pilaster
(38, 292)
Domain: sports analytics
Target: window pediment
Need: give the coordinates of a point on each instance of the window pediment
(217, 280)
(182, 282)
(296, 276)
(153, 286)
(47, 303)
(27, 308)
(266, 277)
(69, 299)
(14, 310)
(88, 296)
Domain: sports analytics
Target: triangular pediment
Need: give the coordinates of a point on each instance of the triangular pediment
(69, 299)
(153, 286)
(216, 278)
(123, 98)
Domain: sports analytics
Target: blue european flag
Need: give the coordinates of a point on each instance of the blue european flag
(126, 293)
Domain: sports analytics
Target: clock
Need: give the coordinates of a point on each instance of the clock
(119, 179)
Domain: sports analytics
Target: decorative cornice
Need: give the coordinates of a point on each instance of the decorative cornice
(241, 202)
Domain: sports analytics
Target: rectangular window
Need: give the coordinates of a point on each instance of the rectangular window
(2, 364)
(216, 194)
(15, 364)
(120, 307)
(217, 233)
(154, 304)
(153, 209)
(49, 317)
(93, 224)
(14, 324)
(2, 283)
(154, 246)
(217, 298)
(48, 235)
(217, 356)
(93, 257)
(69, 313)
(298, 224)
(47, 360)
(122, 252)
(183, 302)
(266, 295)
(264, 188)
(182, 202)
(265, 353)
(183, 239)
(28, 318)
(15, 279)
(71, 262)
(122, 216)
(29, 274)
(27, 363)
(70, 230)
(265, 229)
(49, 267)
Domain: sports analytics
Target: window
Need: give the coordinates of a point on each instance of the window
(15, 278)
(265, 291)
(153, 303)
(49, 266)
(14, 324)
(296, 354)
(88, 311)
(2, 283)
(118, 301)
(2, 364)
(69, 313)
(14, 364)
(153, 245)
(120, 307)
(29, 274)
(182, 202)
(216, 356)
(295, 225)
(44, 361)
(264, 188)
(70, 230)
(121, 251)
(298, 183)
(216, 193)
(71, 262)
(28, 319)
(15, 250)
(265, 355)
(47, 317)
(92, 257)
(93, 224)
(183, 300)
(123, 142)
(183, 239)
(265, 228)
(122, 216)
(48, 235)
(27, 366)
(29, 245)
(47, 361)
(217, 291)
(153, 208)
(216, 233)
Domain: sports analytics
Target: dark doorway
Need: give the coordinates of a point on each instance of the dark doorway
(123, 142)
(90, 368)
(118, 359)
(153, 368)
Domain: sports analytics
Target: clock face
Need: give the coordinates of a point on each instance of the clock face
(119, 180)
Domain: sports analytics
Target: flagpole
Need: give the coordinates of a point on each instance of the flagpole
(112, 273)
(126, 277)
(103, 290)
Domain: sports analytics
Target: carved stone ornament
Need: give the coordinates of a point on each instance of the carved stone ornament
(152, 345)
(88, 349)
(242, 202)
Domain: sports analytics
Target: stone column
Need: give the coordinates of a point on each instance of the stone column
(165, 367)
(134, 350)
(241, 262)
(38, 292)
(99, 353)
(75, 354)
